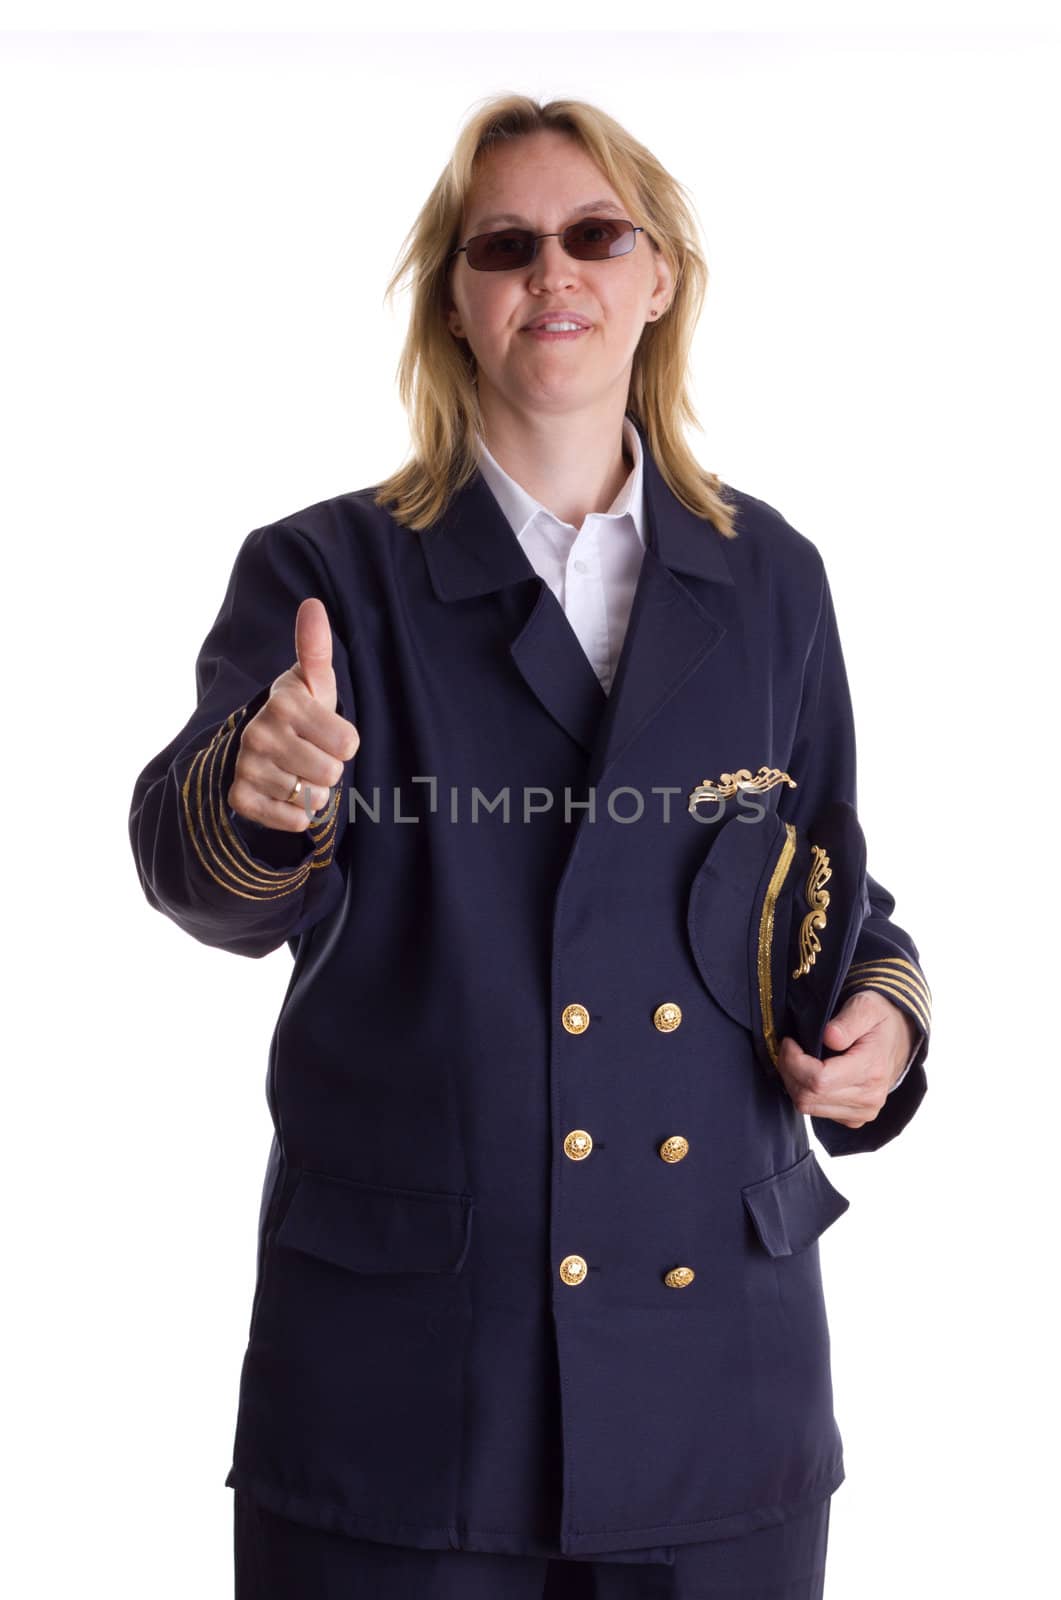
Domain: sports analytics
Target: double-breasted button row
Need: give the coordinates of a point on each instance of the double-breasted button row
(666, 1017)
(579, 1143)
(578, 1146)
(573, 1270)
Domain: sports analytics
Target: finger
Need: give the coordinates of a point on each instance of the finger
(295, 734)
(293, 712)
(860, 1012)
(852, 1113)
(285, 816)
(335, 735)
(853, 1066)
(840, 1099)
(800, 1070)
(274, 773)
(313, 649)
(845, 1088)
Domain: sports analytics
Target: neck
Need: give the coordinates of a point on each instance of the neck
(573, 463)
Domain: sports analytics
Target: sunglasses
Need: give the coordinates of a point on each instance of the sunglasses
(591, 239)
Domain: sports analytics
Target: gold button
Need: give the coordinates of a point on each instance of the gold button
(578, 1144)
(575, 1019)
(676, 1148)
(679, 1277)
(573, 1269)
(667, 1016)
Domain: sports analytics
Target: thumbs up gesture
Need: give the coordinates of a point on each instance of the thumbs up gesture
(296, 734)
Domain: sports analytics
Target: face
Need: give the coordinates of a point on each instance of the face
(542, 181)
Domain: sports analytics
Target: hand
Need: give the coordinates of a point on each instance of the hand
(876, 1038)
(297, 733)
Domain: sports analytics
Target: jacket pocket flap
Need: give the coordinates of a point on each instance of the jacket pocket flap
(367, 1228)
(791, 1208)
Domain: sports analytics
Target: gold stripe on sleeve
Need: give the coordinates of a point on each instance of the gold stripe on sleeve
(218, 847)
(901, 970)
(896, 978)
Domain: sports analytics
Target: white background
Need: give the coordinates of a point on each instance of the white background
(198, 228)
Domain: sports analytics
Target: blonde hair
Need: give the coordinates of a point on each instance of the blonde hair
(436, 372)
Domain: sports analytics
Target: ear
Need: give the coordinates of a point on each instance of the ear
(663, 287)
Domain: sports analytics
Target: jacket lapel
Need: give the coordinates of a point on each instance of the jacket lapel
(472, 551)
(555, 667)
(670, 630)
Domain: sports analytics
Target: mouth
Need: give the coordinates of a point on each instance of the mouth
(557, 329)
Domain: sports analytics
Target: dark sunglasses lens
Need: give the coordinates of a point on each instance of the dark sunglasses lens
(493, 252)
(597, 238)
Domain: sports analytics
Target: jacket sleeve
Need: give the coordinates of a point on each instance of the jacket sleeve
(226, 880)
(885, 958)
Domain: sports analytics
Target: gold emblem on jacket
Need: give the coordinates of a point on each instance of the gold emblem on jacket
(730, 783)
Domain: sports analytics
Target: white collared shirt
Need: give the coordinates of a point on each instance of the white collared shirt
(592, 570)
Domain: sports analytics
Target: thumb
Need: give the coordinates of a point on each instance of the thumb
(838, 1032)
(313, 647)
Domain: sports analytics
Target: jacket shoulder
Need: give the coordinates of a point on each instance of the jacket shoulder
(768, 544)
(346, 536)
(340, 517)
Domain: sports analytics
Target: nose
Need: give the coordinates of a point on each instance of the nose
(552, 267)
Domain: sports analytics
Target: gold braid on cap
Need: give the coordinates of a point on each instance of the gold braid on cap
(818, 899)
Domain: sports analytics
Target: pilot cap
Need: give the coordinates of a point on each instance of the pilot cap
(774, 916)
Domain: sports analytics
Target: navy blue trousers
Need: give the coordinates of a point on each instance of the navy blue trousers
(277, 1559)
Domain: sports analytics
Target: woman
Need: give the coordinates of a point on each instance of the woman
(538, 1306)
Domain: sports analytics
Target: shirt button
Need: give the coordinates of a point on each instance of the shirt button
(580, 566)
(575, 1018)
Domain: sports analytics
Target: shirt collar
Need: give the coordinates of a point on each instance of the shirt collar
(520, 507)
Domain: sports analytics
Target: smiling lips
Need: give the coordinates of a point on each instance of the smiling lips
(557, 328)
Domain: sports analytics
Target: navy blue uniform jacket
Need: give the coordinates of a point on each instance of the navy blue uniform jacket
(538, 1261)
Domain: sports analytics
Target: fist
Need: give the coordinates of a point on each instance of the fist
(873, 1039)
(296, 734)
